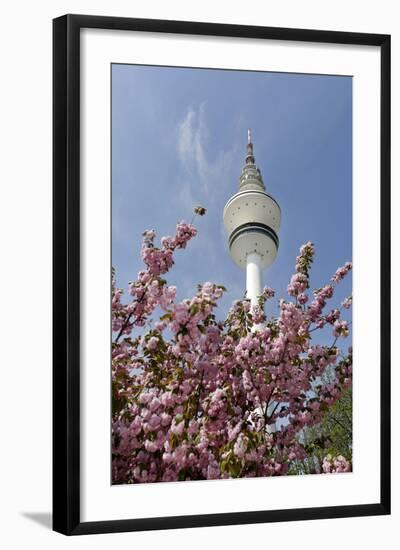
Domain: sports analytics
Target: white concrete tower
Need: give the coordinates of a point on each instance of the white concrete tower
(252, 219)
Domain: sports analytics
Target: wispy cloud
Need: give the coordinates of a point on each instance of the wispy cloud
(192, 142)
(212, 172)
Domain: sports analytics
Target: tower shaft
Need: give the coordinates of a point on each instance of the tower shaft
(253, 278)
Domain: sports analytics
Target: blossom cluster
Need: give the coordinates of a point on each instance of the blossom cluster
(335, 464)
(197, 398)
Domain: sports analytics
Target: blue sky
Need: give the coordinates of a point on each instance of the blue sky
(179, 140)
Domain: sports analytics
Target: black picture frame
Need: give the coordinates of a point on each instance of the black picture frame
(66, 272)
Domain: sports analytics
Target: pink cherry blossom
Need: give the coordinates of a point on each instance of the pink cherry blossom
(195, 397)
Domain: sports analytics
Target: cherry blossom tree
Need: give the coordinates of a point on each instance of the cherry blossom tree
(195, 397)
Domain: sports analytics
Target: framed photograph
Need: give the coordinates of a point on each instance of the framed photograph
(221, 274)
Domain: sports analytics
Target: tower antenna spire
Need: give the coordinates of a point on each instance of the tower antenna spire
(250, 156)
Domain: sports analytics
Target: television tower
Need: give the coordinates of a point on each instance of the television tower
(252, 219)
